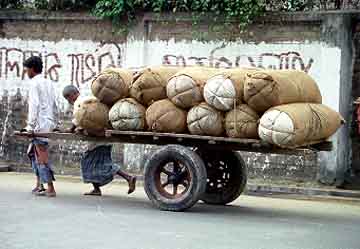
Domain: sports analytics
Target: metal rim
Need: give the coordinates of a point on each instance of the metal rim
(172, 179)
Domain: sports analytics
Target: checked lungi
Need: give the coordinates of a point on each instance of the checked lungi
(39, 157)
(97, 165)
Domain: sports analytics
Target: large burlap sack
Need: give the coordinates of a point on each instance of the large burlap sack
(242, 122)
(268, 88)
(111, 85)
(225, 90)
(205, 120)
(299, 124)
(164, 116)
(127, 115)
(150, 84)
(185, 88)
(90, 114)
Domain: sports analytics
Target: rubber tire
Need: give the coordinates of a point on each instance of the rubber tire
(195, 167)
(237, 181)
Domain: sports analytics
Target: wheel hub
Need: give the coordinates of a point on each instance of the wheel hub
(175, 180)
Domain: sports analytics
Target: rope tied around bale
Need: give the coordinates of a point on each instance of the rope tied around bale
(235, 117)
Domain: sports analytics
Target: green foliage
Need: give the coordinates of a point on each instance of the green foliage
(11, 4)
(242, 11)
(41, 4)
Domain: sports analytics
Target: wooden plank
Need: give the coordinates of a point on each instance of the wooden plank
(211, 143)
(112, 133)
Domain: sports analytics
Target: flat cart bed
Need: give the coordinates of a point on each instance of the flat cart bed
(209, 142)
(188, 168)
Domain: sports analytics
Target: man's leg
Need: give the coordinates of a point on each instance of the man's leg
(96, 191)
(46, 175)
(51, 188)
(38, 186)
(130, 179)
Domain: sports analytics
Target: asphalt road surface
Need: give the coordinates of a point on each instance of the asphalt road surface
(116, 220)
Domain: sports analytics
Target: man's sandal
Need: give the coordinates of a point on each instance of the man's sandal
(93, 193)
(37, 189)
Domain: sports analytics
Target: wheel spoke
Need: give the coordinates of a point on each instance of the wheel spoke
(185, 183)
(175, 187)
(165, 184)
(183, 174)
(177, 168)
(167, 172)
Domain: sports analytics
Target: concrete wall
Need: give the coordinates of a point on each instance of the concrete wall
(75, 48)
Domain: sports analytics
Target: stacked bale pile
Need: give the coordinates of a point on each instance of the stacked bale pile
(282, 107)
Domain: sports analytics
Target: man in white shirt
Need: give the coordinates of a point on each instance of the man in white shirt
(43, 116)
(96, 163)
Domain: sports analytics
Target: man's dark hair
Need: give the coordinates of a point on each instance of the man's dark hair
(35, 63)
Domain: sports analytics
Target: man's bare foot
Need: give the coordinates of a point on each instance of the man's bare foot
(50, 194)
(132, 184)
(94, 192)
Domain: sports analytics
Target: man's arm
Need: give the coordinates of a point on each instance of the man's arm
(56, 111)
(33, 102)
(71, 129)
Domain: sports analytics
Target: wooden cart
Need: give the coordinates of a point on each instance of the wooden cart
(189, 168)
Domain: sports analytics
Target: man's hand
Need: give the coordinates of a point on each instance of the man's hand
(56, 130)
(72, 129)
(24, 130)
(79, 131)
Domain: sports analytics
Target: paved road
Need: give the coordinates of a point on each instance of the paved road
(73, 221)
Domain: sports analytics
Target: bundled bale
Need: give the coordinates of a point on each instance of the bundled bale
(205, 120)
(150, 84)
(299, 124)
(127, 115)
(111, 85)
(185, 88)
(164, 116)
(91, 115)
(225, 90)
(268, 88)
(242, 122)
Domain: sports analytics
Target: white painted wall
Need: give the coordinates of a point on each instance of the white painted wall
(75, 62)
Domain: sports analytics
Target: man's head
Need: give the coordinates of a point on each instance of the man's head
(357, 101)
(33, 66)
(71, 93)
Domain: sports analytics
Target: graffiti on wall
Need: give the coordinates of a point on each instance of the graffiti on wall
(61, 65)
(267, 60)
(77, 62)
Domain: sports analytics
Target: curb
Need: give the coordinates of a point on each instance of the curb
(4, 168)
(266, 189)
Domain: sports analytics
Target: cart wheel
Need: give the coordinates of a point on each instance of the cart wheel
(175, 178)
(227, 176)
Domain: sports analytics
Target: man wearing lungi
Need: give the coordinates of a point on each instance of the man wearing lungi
(43, 116)
(97, 167)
